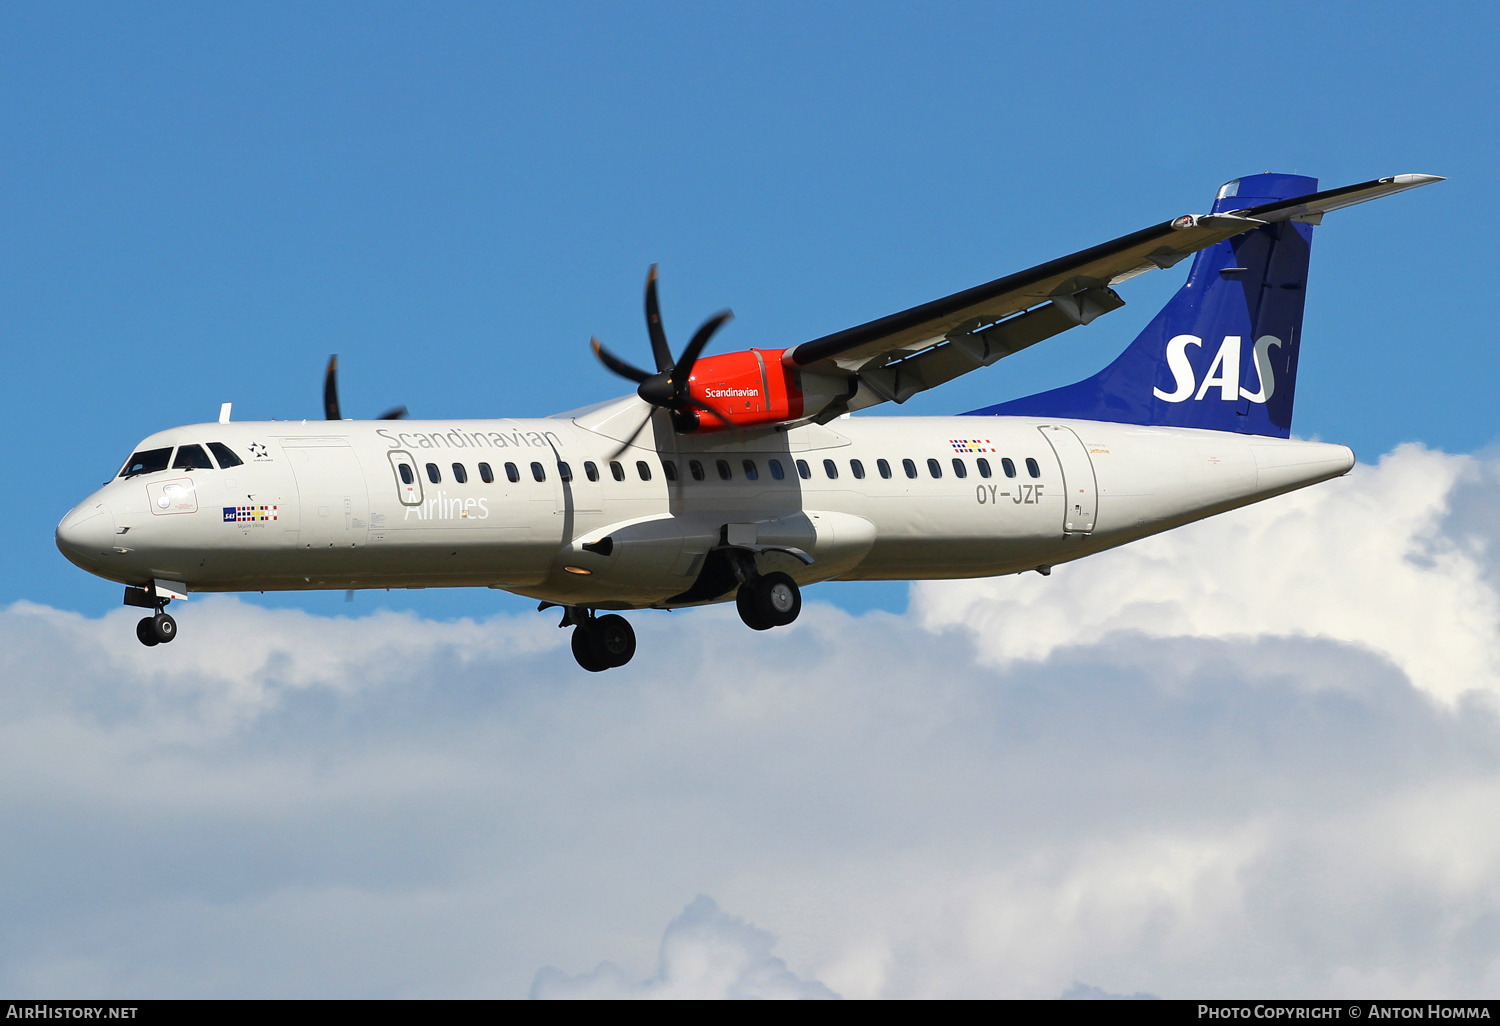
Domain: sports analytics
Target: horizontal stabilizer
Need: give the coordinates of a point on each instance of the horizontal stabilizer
(1312, 208)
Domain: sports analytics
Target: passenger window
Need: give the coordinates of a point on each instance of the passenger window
(831, 469)
(910, 468)
(803, 470)
(564, 472)
(751, 474)
(668, 467)
(538, 472)
(934, 468)
(225, 455)
(460, 474)
(191, 457)
(512, 473)
(590, 470)
(1007, 466)
(776, 470)
(616, 471)
(1032, 468)
(857, 469)
(433, 474)
(960, 469)
(644, 469)
(722, 466)
(984, 466)
(696, 469)
(406, 475)
(884, 468)
(486, 474)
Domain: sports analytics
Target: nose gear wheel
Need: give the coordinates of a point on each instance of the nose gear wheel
(156, 630)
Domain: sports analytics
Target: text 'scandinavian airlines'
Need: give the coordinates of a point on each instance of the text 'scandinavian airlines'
(742, 476)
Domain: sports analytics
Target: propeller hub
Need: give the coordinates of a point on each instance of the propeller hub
(658, 391)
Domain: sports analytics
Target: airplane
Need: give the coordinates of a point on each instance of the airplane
(746, 476)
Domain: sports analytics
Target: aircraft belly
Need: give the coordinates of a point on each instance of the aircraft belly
(420, 557)
(660, 559)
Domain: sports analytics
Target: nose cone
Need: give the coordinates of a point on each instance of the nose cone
(87, 534)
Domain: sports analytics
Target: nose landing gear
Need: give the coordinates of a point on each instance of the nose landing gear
(152, 630)
(156, 630)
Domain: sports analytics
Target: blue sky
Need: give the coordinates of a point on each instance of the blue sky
(1258, 755)
(204, 201)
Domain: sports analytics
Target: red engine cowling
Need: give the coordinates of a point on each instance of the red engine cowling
(744, 389)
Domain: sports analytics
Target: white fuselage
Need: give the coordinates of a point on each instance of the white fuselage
(323, 504)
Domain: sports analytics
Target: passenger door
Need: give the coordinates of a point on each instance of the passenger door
(408, 480)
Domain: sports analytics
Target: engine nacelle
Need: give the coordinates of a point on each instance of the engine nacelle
(745, 389)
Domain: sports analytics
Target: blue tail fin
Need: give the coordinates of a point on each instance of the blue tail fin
(1223, 353)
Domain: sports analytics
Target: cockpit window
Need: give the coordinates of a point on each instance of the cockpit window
(191, 457)
(147, 461)
(225, 455)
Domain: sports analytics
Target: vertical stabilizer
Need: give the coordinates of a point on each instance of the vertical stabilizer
(1222, 354)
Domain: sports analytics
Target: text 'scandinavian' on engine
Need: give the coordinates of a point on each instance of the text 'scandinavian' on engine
(743, 476)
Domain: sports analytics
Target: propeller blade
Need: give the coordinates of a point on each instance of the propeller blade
(659, 347)
(619, 366)
(633, 435)
(331, 389)
(394, 413)
(684, 366)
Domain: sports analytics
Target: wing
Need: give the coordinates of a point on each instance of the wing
(894, 357)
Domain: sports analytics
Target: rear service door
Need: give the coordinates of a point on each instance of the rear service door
(1082, 502)
(331, 491)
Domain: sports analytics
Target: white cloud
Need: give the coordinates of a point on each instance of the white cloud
(705, 954)
(1363, 560)
(1254, 756)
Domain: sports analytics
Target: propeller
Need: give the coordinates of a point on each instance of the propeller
(331, 395)
(667, 389)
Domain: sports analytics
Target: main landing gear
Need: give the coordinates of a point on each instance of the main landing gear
(600, 642)
(769, 600)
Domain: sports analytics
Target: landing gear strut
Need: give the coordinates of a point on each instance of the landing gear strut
(769, 600)
(600, 642)
(151, 630)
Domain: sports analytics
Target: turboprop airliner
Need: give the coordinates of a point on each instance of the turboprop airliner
(746, 476)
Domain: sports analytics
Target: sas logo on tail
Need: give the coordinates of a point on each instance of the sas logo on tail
(1223, 374)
